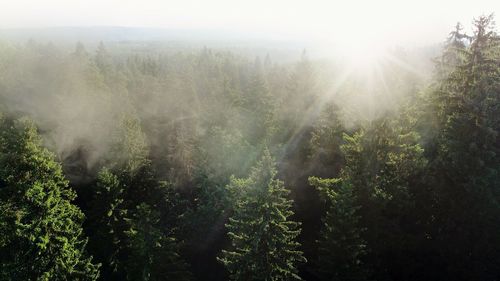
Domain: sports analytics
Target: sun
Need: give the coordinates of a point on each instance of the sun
(360, 44)
(362, 52)
(362, 58)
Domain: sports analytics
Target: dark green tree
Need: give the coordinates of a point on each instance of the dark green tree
(372, 202)
(464, 167)
(40, 228)
(263, 237)
(135, 216)
(257, 110)
(326, 138)
(341, 245)
(153, 254)
(384, 164)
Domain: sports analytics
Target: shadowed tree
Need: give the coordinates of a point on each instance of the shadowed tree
(341, 245)
(40, 229)
(135, 215)
(464, 166)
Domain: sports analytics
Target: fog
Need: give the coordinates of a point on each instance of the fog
(249, 140)
(387, 21)
(78, 94)
(363, 56)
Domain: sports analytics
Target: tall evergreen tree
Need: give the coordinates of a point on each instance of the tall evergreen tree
(464, 168)
(341, 244)
(136, 215)
(40, 229)
(261, 231)
(326, 139)
(384, 164)
(373, 202)
(257, 114)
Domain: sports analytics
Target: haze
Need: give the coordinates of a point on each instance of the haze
(382, 22)
(227, 140)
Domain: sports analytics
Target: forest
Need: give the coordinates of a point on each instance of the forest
(125, 162)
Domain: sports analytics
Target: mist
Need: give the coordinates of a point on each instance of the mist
(78, 94)
(231, 140)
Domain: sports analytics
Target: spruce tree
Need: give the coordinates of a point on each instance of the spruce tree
(372, 202)
(40, 228)
(464, 168)
(384, 164)
(341, 246)
(135, 216)
(263, 237)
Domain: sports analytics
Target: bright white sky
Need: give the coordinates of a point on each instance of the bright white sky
(379, 20)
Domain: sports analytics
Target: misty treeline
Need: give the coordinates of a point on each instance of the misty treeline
(125, 164)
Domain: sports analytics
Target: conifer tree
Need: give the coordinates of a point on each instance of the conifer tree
(371, 201)
(341, 244)
(384, 163)
(258, 108)
(102, 58)
(40, 229)
(263, 237)
(136, 215)
(464, 168)
(325, 142)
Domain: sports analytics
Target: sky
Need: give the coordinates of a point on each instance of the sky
(355, 21)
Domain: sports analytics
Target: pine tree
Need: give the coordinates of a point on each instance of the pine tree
(106, 222)
(454, 50)
(153, 254)
(261, 232)
(257, 119)
(463, 172)
(371, 202)
(102, 58)
(40, 229)
(219, 155)
(384, 163)
(341, 245)
(80, 50)
(326, 139)
(302, 95)
(135, 214)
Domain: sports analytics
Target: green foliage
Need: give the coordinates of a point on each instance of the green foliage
(261, 231)
(40, 229)
(135, 217)
(326, 139)
(341, 245)
(371, 201)
(464, 168)
(157, 141)
(383, 166)
(153, 255)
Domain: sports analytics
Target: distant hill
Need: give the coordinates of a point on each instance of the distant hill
(161, 40)
(252, 44)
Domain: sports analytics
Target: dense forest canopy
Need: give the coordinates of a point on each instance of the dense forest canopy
(134, 161)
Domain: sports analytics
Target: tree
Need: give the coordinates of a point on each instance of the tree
(464, 168)
(372, 202)
(262, 234)
(341, 245)
(80, 50)
(384, 165)
(453, 52)
(40, 228)
(102, 58)
(153, 253)
(135, 216)
(257, 110)
(301, 100)
(220, 154)
(326, 139)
